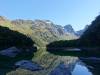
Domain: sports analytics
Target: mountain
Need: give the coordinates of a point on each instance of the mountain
(69, 29)
(41, 32)
(44, 29)
(80, 32)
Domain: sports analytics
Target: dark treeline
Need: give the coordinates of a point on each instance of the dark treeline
(63, 44)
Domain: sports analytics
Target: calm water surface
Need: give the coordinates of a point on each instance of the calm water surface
(81, 70)
(87, 66)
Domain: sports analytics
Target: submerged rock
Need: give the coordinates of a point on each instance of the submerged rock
(29, 65)
(11, 52)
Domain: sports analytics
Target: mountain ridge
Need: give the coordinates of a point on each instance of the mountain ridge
(67, 29)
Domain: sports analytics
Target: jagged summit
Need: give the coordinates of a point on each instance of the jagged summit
(69, 29)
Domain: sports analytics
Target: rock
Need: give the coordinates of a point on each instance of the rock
(11, 52)
(29, 65)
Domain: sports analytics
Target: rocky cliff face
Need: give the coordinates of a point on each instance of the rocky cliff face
(45, 29)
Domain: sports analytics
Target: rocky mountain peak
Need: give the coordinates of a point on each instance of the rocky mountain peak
(69, 29)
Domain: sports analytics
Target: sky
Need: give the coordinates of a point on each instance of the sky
(78, 13)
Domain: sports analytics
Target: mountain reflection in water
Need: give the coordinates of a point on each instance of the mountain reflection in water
(81, 70)
(87, 64)
(93, 64)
